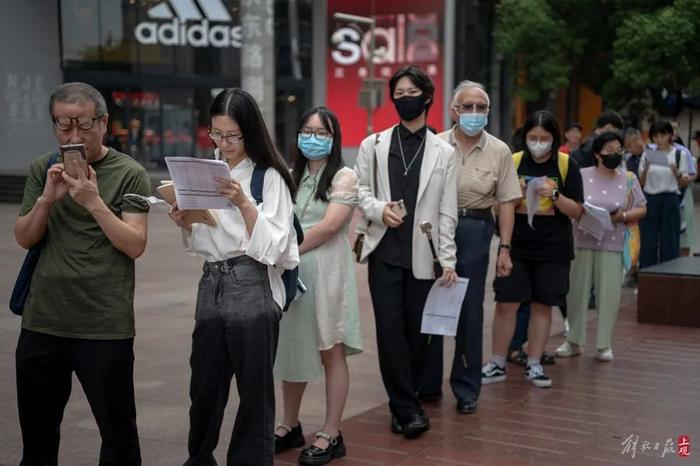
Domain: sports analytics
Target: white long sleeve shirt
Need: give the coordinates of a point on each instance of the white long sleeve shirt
(273, 242)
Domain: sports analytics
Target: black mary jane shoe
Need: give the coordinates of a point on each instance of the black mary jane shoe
(314, 455)
(293, 439)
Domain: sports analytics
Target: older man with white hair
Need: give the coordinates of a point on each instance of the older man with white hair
(486, 178)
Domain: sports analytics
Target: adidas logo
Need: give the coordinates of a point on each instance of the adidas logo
(188, 23)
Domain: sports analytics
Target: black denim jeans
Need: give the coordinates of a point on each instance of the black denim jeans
(235, 333)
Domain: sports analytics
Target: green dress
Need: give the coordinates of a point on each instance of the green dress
(328, 313)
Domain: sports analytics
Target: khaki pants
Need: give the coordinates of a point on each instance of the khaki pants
(603, 270)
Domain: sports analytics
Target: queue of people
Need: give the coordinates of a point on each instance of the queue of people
(426, 204)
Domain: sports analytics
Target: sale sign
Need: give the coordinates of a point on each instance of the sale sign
(407, 32)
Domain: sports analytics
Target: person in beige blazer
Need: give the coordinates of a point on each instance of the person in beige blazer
(407, 177)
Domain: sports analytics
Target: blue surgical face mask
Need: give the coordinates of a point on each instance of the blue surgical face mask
(314, 148)
(473, 123)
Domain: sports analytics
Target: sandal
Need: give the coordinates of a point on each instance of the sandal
(517, 357)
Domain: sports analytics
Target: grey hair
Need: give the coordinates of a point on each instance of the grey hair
(631, 132)
(466, 84)
(77, 92)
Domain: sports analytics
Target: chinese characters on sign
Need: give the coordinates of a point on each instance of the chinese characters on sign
(257, 57)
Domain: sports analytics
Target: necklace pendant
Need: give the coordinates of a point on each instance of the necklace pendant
(405, 173)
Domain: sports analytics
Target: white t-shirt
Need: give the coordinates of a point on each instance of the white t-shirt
(660, 179)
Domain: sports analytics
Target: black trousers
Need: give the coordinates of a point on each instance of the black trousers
(660, 230)
(235, 333)
(105, 369)
(398, 299)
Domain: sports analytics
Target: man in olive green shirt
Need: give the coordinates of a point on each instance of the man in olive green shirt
(79, 313)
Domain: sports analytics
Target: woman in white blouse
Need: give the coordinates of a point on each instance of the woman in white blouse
(241, 294)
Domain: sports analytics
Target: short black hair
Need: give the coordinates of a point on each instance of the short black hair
(603, 138)
(660, 127)
(573, 125)
(610, 117)
(545, 120)
(419, 79)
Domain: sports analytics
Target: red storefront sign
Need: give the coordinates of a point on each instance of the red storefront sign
(407, 32)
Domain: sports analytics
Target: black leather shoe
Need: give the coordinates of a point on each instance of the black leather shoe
(416, 425)
(314, 455)
(429, 397)
(293, 439)
(466, 406)
(396, 427)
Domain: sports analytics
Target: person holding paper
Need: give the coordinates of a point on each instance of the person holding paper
(322, 327)
(486, 178)
(541, 253)
(599, 262)
(79, 314)
(241, 293)
(408, 163)
(662, 174)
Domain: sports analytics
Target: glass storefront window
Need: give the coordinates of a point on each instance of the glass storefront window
(200, 38)
(151, 124)
(160, 63)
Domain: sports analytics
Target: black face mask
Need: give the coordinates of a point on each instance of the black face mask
(612, 161)
(410, 107)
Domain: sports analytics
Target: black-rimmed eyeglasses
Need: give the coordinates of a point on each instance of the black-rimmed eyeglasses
(65, 123)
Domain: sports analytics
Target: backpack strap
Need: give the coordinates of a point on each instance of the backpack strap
(517, 158)
(563, 163)
(257, 181)
(52, 160)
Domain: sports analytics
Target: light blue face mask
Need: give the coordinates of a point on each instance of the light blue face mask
(314, 148)
(473, 123)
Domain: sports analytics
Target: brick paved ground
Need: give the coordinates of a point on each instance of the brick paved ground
(650, 390)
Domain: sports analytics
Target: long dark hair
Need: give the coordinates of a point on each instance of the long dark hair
(545, 120)
(242, 108)
(335, 158)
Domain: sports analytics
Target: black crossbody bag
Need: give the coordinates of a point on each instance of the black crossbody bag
(24, 278)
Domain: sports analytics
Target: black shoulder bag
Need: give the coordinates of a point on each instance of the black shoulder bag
(24, 278)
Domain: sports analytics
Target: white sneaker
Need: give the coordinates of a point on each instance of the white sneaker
(568, 349)
(492, 373)
(536, 376)
(605, 355)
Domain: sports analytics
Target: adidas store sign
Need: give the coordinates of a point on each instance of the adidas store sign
(186, 25)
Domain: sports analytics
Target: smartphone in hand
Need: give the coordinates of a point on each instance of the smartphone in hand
(74, 159)
(399, 209)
